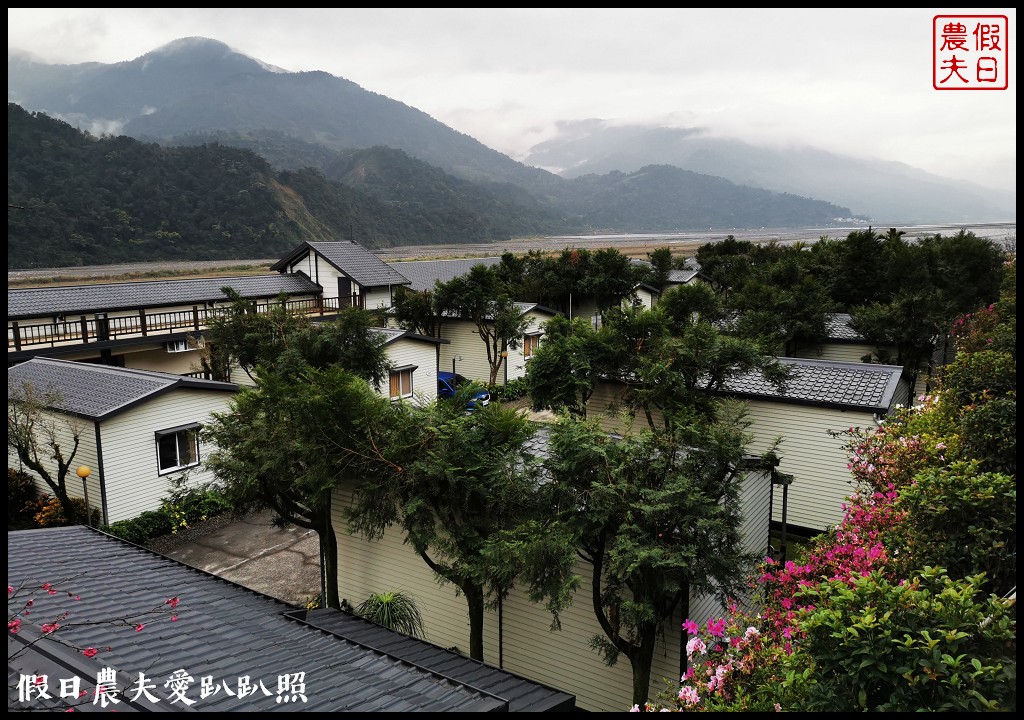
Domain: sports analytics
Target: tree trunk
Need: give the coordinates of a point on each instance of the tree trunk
(475, 601)
(640, 659)
(329, 551)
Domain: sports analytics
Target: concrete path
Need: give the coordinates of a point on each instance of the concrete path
(281, 562)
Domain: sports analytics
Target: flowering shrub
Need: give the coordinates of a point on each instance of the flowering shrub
(730, 667)
(51, 512)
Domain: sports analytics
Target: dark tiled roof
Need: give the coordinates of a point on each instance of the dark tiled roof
(527, 307)
(34, 302)
(223, 631)
(862, 386)
(352, 259)
(838, 327)
(523, 695)
(682, 276)
(393, 334)
(97, 391)
(423, 274)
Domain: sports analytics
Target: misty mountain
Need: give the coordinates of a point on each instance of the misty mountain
(890, 193)
(196, 91)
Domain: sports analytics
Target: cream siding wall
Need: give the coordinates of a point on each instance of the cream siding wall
(424, 356)
(159, 360)
(465, 342)
(517, 358)
(842, 352)
(529, 647)
(128, 442)
(64, 427)
(817, 461)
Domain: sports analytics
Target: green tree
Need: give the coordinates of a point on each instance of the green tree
(310, 420)
(657, 516)
(286, 444)
(567, 367)
(418, 310)
(481, 296)
(467, 485)
(43, 441)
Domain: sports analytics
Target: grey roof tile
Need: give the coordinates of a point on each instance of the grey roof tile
(97, 391)
(824, 382)
(223, 631)
(424, 274)
(352, 259)
(71, 299)
(838, 327)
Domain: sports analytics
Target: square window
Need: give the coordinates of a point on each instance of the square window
(177, 449)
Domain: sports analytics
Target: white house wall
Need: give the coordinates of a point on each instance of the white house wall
(376, 298)
(128, 444)
(423, 355)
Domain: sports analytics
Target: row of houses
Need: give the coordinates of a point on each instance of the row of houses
(120, 365)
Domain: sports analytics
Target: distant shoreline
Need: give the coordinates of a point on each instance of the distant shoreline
(633, 244)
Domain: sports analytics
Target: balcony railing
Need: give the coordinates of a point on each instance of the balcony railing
(101, 328)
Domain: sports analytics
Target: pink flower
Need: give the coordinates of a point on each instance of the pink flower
(691, 627)
(50, 628)
(138, 628)
(90, 652)
(174, 618)
(173, 602)
(716, 627)
(10, 589)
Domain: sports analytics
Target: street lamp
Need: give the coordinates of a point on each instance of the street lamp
(84, 472)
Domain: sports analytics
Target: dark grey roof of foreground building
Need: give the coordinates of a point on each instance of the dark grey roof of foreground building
(71, 299)
(845, 385)
(224, 632)
(424, 274)
(97, 391)
(350, 258)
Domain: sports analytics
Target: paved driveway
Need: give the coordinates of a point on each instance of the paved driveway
(281, 562)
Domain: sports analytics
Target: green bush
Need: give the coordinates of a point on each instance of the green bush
(180, 511)
(928, 643)
(21, 494)
(512, 390)
(964, 520)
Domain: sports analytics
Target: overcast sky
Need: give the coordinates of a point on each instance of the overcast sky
(857, 82)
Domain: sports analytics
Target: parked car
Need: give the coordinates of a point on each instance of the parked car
(448, 384)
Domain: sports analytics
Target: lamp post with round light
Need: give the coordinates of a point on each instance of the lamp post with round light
(84, 472)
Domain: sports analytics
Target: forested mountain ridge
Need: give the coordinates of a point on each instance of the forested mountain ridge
(196, 89)
(76, 199)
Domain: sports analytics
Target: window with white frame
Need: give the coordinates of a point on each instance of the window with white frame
(177, 448)
(401, 382)
(530, 344)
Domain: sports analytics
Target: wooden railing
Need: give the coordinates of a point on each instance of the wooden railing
(101, 328)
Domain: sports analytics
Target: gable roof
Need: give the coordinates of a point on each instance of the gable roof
(227, 631)
(828, 383)
(394, 334)
(424, 274)
(98, 391)
(69, 299)
(350, 258)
